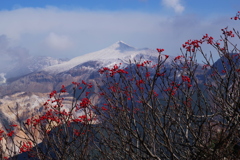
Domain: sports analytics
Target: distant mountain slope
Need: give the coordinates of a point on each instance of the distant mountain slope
(29, 65)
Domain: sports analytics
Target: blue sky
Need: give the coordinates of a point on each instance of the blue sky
(203, 7)
(69, 28)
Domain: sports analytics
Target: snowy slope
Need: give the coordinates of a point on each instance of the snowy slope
(118, 52)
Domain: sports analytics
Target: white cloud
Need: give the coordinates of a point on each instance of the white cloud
(58, 42)
(175, 4)
(70, 33)
(11, 55)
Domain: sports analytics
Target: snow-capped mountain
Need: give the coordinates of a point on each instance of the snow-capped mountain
(84, 67)
(117, 53)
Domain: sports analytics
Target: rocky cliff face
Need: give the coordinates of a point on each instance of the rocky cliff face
(22, 103)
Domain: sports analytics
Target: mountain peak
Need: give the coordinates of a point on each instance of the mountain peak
(121, 46)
